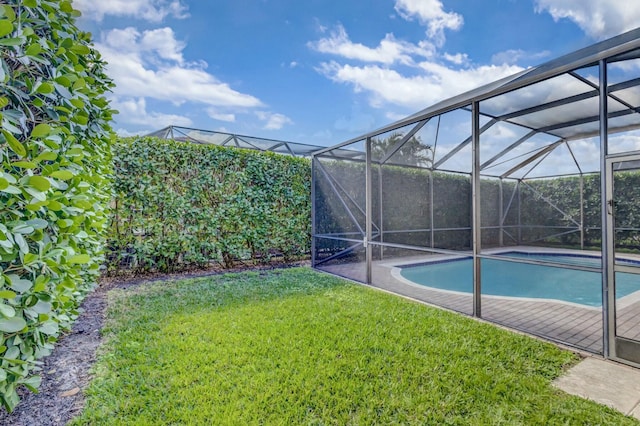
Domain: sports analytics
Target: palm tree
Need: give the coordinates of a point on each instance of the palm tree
(412, 153)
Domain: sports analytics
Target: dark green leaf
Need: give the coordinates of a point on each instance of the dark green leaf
(38, 223)
(32, 383)
(14, 144)
(12, 325)
(24, 164)
(7, 310)
(49, 327)
(33, 50)
(11, 41)
(6, 27)
(7, 294)
(45, 88)
(41, 130)
(22, 228)
(47, 156)
(80, 49)
(40, 183)
(79, 259)
(62, 174)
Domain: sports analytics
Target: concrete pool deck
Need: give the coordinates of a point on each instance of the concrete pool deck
(606, 382)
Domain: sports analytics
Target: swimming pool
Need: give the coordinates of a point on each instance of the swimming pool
(512, 279)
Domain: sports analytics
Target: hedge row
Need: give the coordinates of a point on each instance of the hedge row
(536, 213)
(401, 196)
(181, 205)
(54, 188)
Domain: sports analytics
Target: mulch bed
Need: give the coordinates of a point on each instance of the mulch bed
(66, 372)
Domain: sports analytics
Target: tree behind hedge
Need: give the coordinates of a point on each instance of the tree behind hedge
(54, 187)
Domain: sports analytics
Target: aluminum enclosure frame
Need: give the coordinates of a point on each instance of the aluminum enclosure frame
(624, 47)
(234, 140)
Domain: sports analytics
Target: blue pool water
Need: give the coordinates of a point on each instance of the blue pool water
(523, 279)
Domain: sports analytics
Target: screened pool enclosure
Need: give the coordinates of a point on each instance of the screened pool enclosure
(517, 202)
(234, 140)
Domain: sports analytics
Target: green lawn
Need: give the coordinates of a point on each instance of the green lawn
(297, 347)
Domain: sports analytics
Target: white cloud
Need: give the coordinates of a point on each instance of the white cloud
(150, 64)
(436, 83)
(394, 116)
(162, 42)
(625, 142)
(217, 115)
(357, 121)
(598, 18)
(319, 27)
(587, 152)
(153, 46)
(513, 56)
(458, 58)
(382, 78)
(389, 50)
(431, 14)
(134, 111)
(126, 133)
(274, 121)
(149, 10)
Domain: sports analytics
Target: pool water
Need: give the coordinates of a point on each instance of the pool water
(568, 259)
(523, 279)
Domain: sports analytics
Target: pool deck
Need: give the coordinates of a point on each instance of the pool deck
(606, 382)
(567, 323)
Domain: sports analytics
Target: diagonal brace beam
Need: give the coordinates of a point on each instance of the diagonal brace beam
(464, 143)
(546, 200)
(507, 149)
(533, 158)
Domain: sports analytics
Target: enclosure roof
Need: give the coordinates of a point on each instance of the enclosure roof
(234, 140)
(579, 94)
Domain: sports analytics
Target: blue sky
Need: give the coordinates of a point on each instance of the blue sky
(323, 71)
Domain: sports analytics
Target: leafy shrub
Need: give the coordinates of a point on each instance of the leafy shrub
(181, 205)
(54, 188)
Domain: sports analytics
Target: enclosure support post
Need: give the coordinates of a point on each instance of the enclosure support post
(519, 189)
(581, 211)
(368, 210)
(608, 304)
(431, 224)
(475, 208)
(313, 212)
(380, 202)
(501, 213)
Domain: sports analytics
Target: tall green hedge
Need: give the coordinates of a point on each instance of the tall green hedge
(541, 211)
(181, 205)
(54, 188)
(401, 196)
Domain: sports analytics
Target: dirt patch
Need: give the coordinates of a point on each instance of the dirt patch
(66, 372)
